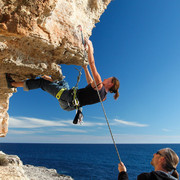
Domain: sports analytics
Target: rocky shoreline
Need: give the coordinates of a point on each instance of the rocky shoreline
(12, 168)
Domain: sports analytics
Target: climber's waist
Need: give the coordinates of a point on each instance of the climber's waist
(67, 99)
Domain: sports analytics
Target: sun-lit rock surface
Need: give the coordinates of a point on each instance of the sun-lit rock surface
(12, 168)
(37, 36)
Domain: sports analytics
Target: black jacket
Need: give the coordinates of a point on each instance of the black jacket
(154, 175)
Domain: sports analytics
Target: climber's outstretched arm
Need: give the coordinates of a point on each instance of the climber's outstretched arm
(92, 65)
(87, 74)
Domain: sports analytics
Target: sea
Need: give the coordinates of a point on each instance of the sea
(88, 161)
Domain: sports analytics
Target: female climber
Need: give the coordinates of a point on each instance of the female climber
(68, 98)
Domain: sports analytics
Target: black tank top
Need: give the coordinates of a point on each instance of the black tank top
(88, 95)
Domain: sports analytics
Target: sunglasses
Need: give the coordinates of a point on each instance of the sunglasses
(159, 153)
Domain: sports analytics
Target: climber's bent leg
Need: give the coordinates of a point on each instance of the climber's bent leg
(51, 87)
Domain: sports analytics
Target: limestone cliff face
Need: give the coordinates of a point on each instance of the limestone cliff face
(12, 168)
(37, 36)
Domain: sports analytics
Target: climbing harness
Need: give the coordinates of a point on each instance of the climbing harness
(75, 99)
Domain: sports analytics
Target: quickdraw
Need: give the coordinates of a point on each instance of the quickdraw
(79, 115)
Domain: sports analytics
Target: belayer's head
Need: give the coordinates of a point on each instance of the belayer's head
(115, 87)
(167, 160)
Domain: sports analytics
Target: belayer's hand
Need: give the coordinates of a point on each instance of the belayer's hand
(122, 167)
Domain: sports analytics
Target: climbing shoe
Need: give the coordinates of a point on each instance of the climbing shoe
(78, 118)
(9, 80)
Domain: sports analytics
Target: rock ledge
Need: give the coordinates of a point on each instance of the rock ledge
(12, 168)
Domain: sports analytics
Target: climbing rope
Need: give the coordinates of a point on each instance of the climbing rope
(106, 118)
(101, 100)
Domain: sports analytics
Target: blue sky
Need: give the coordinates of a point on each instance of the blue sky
(137, 41)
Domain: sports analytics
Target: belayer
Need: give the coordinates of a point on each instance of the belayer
(68, 98)
(164, 161)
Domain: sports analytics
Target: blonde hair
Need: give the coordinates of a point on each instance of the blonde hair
(171, 162)
(115, 87)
